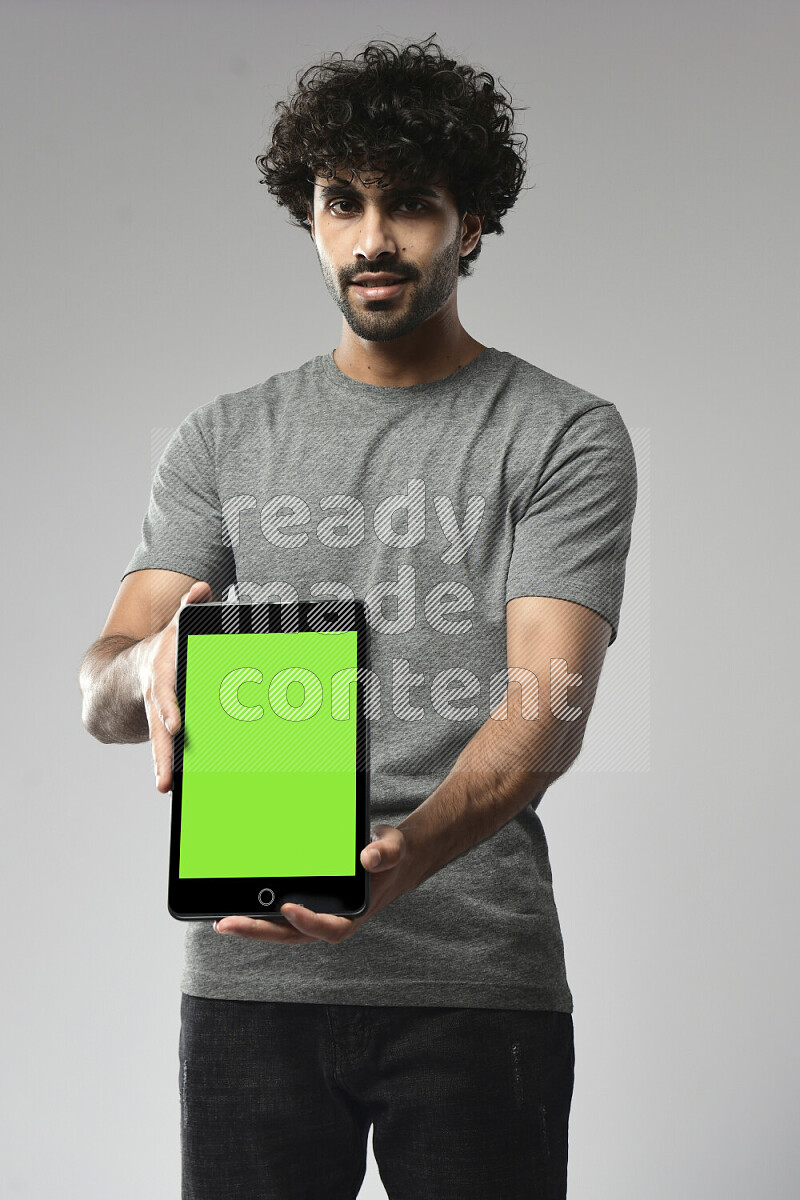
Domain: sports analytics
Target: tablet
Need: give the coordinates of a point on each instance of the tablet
(270, 783)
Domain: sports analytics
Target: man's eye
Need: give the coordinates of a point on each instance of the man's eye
(419, 203)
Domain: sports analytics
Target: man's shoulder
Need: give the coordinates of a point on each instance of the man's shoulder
(547, 398)
(229, 409)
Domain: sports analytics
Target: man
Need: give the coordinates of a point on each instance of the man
(484, 508)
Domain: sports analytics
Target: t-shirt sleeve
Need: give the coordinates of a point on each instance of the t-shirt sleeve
(572, 539)
(182, 529)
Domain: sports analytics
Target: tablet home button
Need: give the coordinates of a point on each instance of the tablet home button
(266, 896)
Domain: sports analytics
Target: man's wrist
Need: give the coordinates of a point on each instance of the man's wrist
(498, 773)
(425, 845)
(460, 814)
(113, 708)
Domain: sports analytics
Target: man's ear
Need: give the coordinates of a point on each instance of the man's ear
(475, 221)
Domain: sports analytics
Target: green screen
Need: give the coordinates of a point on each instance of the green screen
(269, 760)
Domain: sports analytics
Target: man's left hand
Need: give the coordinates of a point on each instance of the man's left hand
(391, 877)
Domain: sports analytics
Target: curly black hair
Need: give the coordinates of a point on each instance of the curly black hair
(412, 113)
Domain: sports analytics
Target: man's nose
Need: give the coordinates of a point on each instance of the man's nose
(374, 234)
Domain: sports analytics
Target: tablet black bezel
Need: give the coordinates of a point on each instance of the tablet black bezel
(209, 899)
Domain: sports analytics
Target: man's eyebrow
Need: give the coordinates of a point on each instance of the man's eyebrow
(342, 188)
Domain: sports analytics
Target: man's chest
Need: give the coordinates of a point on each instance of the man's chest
(368, 514)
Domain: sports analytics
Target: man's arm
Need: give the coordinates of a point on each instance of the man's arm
(506, 765)
(512, 759)
(113, 702)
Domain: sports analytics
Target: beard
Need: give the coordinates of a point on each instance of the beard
(385, 320)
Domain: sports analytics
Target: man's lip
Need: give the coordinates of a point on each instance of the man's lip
(372, 293)
(379, 280)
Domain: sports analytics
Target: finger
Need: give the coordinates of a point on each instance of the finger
(323, 926)
(163, 688)
(166, 706)
(261, 931)
(161, 742)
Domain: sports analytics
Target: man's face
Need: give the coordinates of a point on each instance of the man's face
(362, 230)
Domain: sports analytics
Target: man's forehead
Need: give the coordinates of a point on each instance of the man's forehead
(366, 181)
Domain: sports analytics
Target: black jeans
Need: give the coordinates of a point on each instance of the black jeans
(277, 1100)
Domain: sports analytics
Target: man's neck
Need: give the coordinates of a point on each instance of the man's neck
(380, 363)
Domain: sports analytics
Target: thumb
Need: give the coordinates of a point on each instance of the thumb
(196, 592)
(389, 843)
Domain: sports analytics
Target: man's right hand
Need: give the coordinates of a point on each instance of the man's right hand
(156, 667)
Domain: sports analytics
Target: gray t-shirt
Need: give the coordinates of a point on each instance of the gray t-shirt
(435, 503)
